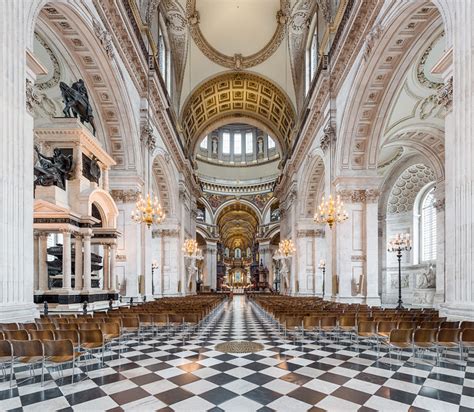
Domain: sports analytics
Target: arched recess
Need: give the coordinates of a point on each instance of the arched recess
(76, 35)
(238, 224)
(163, 182)
(104, 202)
(312, 184)
(238, 95)
(396, 39)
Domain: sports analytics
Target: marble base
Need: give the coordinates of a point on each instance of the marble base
(53, 297)
(457, 311)
(18, 313)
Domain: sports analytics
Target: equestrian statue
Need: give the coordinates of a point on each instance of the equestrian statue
(76, 100)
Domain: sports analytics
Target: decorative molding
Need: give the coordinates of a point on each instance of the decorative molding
(32, 98)
(54, 80)
(440, 205)
(125, 196)
(147, 138)
(325, 7)
(370, 40)
(372, 195)
(445, 94)
(237, 61)
(420, 68)
(305, 233)
(104, 37)
(329, 137)
(358, 258)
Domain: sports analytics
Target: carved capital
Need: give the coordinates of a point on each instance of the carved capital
(320, 233)
(372, 195)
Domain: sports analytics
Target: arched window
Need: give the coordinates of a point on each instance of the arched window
(427, 214)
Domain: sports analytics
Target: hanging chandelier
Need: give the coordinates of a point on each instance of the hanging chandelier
(148, 211)
(191, 249)
(286, 248)
(331, 211)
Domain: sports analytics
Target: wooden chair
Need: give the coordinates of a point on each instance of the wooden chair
(467, 340)
(467, 325)
(145, 321)
(72, 335)
(367, 330)
(400, 339)
(111, 332)
(47, 326)
(384, 328)
(328, 324)
(424, 339)
(293, 326)
(89, 326)
(29, 352)
(131, 326)
(429, 324)
(407, 324)
(6, 358)
(160, 321)
(449, 325)
(448, 339)
(92, 340)
(311, 324)
(8, 326)
(60, 352)
(28, 326)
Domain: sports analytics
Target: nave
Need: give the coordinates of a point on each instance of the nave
(184, 372)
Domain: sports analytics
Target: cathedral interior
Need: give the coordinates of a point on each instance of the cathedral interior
(237, 205)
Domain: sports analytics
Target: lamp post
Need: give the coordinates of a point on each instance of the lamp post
(277, 258)
(154, 266)
(398, 244)
(322, 266)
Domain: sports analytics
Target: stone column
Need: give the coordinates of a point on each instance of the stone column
(16, 164)
(440, 243)
(36, 260)
(458, 97)
(372, 291)
(320, 254)
(42, 262)
(113, 261)
(66, 259)
(77, 162)
(87, 263)
(305, 271)
(78, 272)
(106, 268)
(158, 257)
(105, 179)
(266, 258)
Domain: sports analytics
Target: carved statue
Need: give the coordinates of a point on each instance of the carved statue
(53, 170)
(260, 146)
(214, 146)
(275, 215)
(76, 99)
(426, 280)
(95, 169)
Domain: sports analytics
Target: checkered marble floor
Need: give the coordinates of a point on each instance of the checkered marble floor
(162, 373)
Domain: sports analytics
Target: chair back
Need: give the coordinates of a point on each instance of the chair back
(110, 328)
(72, 335)
(61, 347)
(70, 326)
(160, 318)
(429, 324)
(424, 335)
(401, 336)
(91, 336)
(130, 322)
(449, 325)
(29, 326)
(404, 324)
(89, 326)
(5, 348)
(191, 318)
(367, 326)
(311, 321)
(448, 335)
(386, 326)
(347, 321)
(30, 348)
(175, 318)
(41, 335)
(8, 326)
(293, 321)
(328, 321)
(145, 318)
(467, 325)
(48, 326)
(16, 334)
(467, 335)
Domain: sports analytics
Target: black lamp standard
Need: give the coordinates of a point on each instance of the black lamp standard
(398, 244)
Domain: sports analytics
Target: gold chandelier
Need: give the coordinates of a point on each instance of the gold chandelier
(148, 211)
(331, 211)
(191, 249)
(286, 248)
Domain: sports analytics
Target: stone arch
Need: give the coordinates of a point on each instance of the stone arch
(243, 95)
(84, 40)
(105, 203)
(363, 120)
(163, 181)
(312, 184)
(244, 202)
